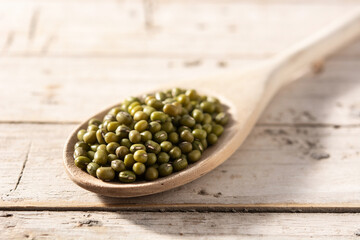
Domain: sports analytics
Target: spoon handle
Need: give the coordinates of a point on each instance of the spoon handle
(310, 53)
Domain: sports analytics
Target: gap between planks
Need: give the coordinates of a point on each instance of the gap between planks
(189, 207)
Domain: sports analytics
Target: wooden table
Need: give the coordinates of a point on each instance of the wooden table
(297, 175)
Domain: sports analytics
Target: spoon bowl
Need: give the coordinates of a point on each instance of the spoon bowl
(245, 93)
(211, 158)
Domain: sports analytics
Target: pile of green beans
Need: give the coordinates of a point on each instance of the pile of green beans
(150, 137)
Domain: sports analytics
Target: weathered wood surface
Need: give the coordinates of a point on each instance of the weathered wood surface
(59, 90)
(160, 28)
(14, 153)
(303, 154)
(75, 59)
(276, 165)
(130, 225)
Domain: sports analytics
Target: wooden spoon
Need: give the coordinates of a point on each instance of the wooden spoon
(246, 93)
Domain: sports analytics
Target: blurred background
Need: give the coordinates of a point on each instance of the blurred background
(56, 53)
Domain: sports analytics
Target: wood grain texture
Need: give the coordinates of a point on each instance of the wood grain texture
(276, 165)
(131, 225)
(45, 83)
(37, 89)
(58, 90)
(303, 154)
(14, 153)
(137, 28)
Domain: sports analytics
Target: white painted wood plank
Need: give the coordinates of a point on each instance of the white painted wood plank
(276, 165)
(53, 89)
(330, 97)
(14, 151)
(61, 89)
(132, 225)
(160, 28)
